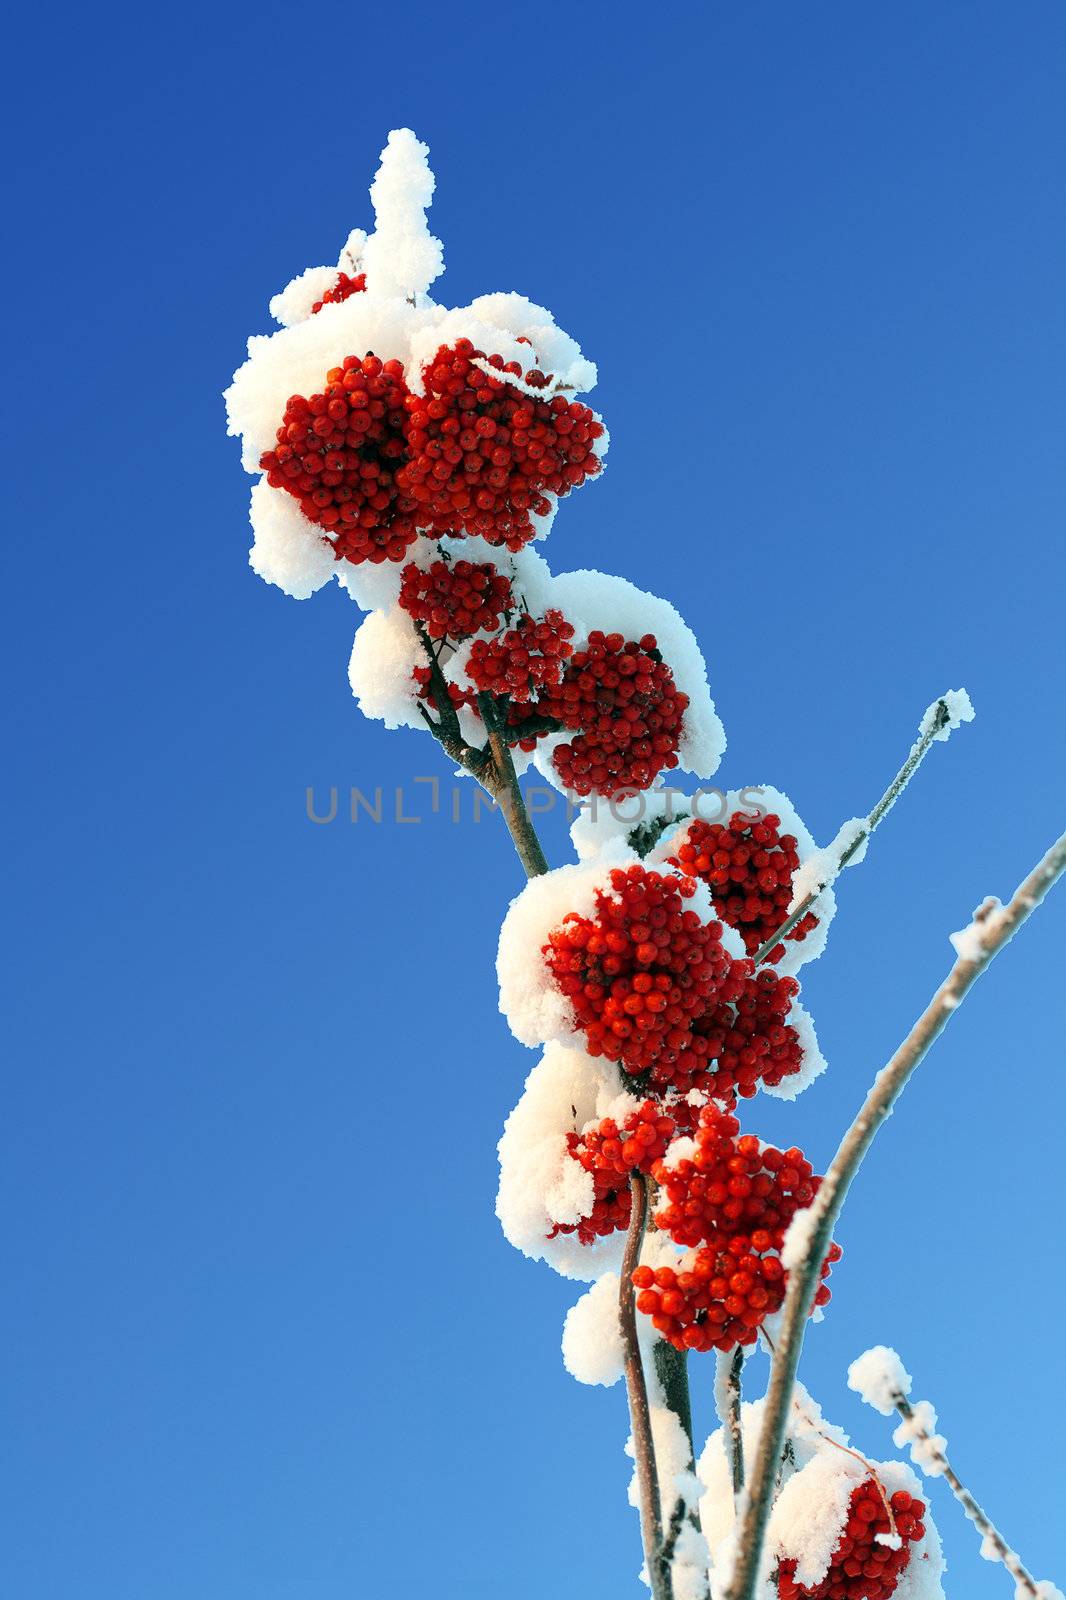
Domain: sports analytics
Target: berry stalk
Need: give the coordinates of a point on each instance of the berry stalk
(936, 723)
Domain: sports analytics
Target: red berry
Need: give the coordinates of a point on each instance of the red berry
(861, 1568)
(749, 866)
(455, 599)
(340, 291)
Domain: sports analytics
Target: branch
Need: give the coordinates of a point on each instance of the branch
(651, 1517)
(980, 1519)
(937, 721)
(727, 1392)
(982, 941)
(509, 794)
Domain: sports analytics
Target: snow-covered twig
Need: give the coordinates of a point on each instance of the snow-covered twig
(811, 1239)
(651, 1520)
(941, 718)
(727, 1395)
(880, 1377)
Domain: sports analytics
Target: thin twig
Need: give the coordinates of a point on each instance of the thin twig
(937, 723)
(651, 1516)
(980, 1519)
(989, 936)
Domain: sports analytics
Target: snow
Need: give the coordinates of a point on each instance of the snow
(820, 869)
(287, 550)
(592, 1338)
(959, 709)
(799, 1236)
(402, 257)
(878, 1376)
(385, 653)
(294, 303)
(539, 1182)
(535, 1009)
(970, 943)
(927, 1447)
(811, 1510)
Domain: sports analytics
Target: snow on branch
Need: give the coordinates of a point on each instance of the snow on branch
(879, 1377)
(821, 869)
(815, 1226)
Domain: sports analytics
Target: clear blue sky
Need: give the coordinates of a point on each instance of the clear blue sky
(262, 1339)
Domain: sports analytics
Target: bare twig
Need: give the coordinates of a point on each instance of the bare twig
(651, 1517)
(986, 938)
(937, 722)
(980, 1519)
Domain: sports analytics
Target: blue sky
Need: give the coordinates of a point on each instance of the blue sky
(262, 1339)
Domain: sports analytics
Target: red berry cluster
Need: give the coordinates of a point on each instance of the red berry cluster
(750, 1040)
(643, 973)
(652, 987)
(455, 599)
(482, 455)
(861, 1568)
(338, 454)
(731, 1183)
(749, 865)
(341, 290)
(527, 658)
(733, 1201)
(372, 464)
(622, 698)
(610, 1153)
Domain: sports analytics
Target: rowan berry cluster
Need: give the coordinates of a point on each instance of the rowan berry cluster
(483, 455)
(621, 698)
(652, 987)
(455, 599)
(731, 1202)
(749, 864)
(749, 1040)
(641, 975)
(341, 290)
(610, 1152)
(373, 464)
(860, 1567)
(338, 454)
(732, 1183)
(526, 659)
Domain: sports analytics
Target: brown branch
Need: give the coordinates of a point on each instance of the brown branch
(522, 831)
(651, 1516)
(937, 723)
(980, 1519)
(988, 937)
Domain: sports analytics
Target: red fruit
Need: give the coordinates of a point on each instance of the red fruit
(860, 1567)
(732, 1200)
(621, 698)
(483, 455)
(652, 987)
(749, 866)
(611, 1152)
(343, 287)
(338, 453)
(642, 974)
(528, 657)
(455, 599)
